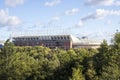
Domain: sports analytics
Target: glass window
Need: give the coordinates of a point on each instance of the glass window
(54, 38)
(37, 38)
(68, 37)
(64, 37)
(58, 38)
(61, 38)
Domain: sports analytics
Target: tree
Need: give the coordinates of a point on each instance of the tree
(107, 60)
(5, 54)
(20, 66)
(116, 40)
(77, 74)
(100, 59)
(7, 50)
(111, 67)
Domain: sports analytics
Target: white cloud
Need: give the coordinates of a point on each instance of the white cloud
(56, 18)
(72, 11)
(103, 2)
(7, 20)
(80, 23)
(101, 13)
(38, 24)
(108, 22)
(52, 3)
(14, 3)
(117, 3)
(102, 34)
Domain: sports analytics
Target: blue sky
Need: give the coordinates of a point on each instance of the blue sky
(97, 19)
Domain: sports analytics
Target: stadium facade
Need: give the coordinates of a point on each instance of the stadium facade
(55, 41)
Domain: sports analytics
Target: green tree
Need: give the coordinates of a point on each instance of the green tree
(107, 60)
(100, 59)
(7, 50)
(116, 40)
(77, 74)
(5, 54)
(20, 66)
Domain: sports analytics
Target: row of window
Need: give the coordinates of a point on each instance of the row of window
(44, 38)
(60, 38)
(43, 44)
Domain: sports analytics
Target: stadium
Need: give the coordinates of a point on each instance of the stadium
(56, 41)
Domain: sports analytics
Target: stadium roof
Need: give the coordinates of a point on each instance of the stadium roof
(74, 39)
(84, 41)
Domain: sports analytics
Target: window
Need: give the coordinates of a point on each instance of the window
(61, 38)
(37, 38)
(68, 37)
(64, 37)
(58, 38)
(54, 38)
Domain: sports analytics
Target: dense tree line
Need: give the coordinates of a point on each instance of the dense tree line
(42, 63)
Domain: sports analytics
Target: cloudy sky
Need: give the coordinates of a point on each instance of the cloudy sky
(97, 19)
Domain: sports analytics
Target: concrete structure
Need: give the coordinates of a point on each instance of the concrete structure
(55, 41)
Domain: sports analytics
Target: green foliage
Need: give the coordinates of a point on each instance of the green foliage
(107, 61)
(90, 73)
(77, 74)
(103, 47)
(7, 50)
(116, 40)
(19, 65)
(42, 63)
